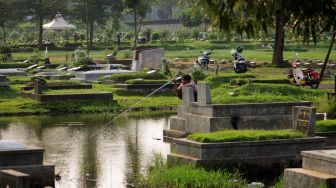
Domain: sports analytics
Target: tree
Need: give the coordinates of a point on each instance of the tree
(39, 9)
(165, 9)
(190, 19)
(138, 9)
(95, 11)
(312, 17)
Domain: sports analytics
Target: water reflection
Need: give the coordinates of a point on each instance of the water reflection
(113, 157)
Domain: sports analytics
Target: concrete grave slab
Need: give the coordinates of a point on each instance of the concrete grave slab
(12, 72)
(94, 75)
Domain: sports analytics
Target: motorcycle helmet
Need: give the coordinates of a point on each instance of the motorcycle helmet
(234, 53)
(239, 49)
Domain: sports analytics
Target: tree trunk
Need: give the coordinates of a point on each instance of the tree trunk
(4, 34)
(87, 26)
(91, 34)
(135, 28)
(40, 37)
(328, 55)
(279, 37)
(40, 24)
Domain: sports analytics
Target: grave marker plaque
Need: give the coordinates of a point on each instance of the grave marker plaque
(304, 120)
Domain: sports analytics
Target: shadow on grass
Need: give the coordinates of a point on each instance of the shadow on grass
(8, 93)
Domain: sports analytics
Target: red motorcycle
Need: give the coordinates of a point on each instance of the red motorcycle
(304, 76)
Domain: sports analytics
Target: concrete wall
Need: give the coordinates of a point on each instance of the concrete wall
(151, 58)
(211, 118)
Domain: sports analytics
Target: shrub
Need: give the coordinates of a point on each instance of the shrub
(166, 67)
(326, 126)
(6, 53)
(182, 35)
(198, 74)
(162, 175)
(155, 36)
(128, 54)
(35, 57)
(244, 135)
(164, 35)
(196, 33)
(81, 58)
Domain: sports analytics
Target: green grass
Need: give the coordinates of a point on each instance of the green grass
(244, 135)
(326, 126)
(136, 81)
(19, 79)
(257, 93)
(59, 82)
(191, 49)
(162, 175)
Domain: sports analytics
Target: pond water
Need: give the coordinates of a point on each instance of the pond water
(87, 155)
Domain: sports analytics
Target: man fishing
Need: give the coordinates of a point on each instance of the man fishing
(186, 82)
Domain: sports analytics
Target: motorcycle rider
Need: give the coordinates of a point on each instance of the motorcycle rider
(239, 61)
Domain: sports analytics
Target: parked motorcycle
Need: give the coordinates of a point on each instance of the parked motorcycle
(239, 63)
(204, 60)
(304, 76)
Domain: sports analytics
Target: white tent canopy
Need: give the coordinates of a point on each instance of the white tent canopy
(58, 23)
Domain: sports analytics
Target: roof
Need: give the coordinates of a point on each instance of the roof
(58, 23)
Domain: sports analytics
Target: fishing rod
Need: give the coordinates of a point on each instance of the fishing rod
(131, 107)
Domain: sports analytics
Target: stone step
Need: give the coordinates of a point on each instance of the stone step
(323, 161)
(303, 178)
(177, 159)
(177, 123)
(174, 134)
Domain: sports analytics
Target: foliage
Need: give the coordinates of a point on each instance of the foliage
(81, 58)
(244, 135)
(182, 35)
(164, 36)
(326, 125)
(196, 33)
(142, 81)
(162, 175)
(190, 19)
(35, 57)
(6, 53)
(155, 36)
(326, 105)
(138, 9)
(128, 54)
(198, 74)
(166, 67)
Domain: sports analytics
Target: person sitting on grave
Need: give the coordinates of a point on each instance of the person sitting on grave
(186, 82)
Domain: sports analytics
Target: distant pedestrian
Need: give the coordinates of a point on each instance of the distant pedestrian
(75, 37)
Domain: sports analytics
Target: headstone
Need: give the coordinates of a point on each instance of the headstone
(204, 94)
(41, 67)
(136, 66)
(38, 88)
(151, 58)
(304, 119)
(187, 95)
(32, 67)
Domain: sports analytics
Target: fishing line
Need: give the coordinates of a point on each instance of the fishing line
(130, 108)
